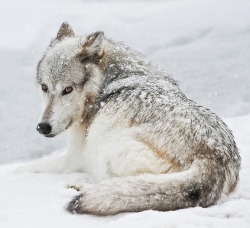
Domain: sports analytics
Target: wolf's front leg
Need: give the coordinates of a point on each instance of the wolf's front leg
(49, 164)
(55, 163)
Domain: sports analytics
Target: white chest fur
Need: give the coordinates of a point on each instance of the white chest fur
(110, 149)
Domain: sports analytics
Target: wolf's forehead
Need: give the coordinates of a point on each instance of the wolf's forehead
(61, 53)
(59, 57)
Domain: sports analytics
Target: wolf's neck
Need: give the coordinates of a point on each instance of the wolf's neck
(128, 68)
(76, 138)
(123, 62)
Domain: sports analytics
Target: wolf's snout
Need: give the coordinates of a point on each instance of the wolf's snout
(43, 128)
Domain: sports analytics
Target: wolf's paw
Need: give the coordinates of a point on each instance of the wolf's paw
(78, 188)
(25, 169)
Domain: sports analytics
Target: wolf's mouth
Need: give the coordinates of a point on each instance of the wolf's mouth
(50, 135)
(53, 135)
(70, 123)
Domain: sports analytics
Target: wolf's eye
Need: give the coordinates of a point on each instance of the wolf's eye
(44, 88)
(67, 90)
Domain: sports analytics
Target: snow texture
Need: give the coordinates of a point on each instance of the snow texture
(204, 44)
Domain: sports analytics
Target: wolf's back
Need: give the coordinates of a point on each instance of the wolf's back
(188, 134)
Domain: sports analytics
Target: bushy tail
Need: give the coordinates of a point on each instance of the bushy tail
(200, 185)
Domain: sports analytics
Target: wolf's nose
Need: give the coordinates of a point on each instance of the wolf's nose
(43, 128)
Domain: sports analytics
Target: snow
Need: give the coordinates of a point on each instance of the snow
(204, 44)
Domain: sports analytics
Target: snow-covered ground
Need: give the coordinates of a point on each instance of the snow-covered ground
(37, 200)
(204, 44)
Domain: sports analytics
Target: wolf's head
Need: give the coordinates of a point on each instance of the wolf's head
(69, 78)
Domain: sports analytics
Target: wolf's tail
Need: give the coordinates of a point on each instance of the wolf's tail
(200, 185)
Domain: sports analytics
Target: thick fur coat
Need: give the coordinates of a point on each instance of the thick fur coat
(131, 127)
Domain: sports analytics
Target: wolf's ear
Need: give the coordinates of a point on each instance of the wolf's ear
(93, 46)
(65, 31)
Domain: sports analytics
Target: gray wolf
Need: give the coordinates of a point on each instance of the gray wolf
(132, 128)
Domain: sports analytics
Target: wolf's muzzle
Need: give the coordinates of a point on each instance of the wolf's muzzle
(43, 128)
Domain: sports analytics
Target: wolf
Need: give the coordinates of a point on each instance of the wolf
(130, 127)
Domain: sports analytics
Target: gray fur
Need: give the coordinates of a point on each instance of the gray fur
(131, 89)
